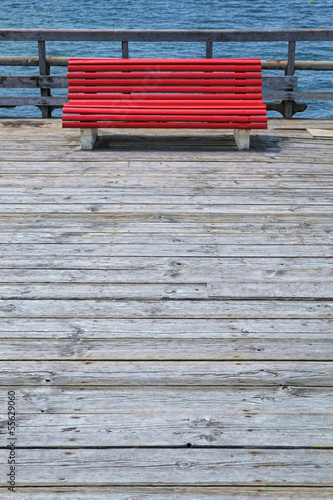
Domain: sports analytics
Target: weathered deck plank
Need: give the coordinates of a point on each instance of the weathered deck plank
(290, 400)
(157, 466)
(171, 493)
(236, 166)
(161, 270)
(165, 308)
(251, 249)
(179, 416)
(161, 328)
(167, 373)
(163, 180)
(300, 347)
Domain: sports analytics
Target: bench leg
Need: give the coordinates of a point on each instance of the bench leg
(88, 138)
(242, 138)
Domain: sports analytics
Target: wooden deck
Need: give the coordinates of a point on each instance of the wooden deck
(166, 313)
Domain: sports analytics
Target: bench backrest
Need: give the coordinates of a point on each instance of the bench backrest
(228, 79)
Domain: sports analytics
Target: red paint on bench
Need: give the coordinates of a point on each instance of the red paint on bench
(165, 93)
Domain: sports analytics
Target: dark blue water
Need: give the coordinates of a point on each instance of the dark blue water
(171, 14)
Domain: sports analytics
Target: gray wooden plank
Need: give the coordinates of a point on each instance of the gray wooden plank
(158, 328)
(33, 101)
(9, 81)
(166, 35)
(161, 270)
(104, 291)
(154, 291)
(170, 492)
(265, 64)
(122, 149)
(181, 196)
(238, 165)
(175, 426)
(146, 222)
(159, 180)
(174, 466)
(127, 308)
(261, 290)
(249, 249)
(264, 166)
(315, 132)
(194, 208)
(233, 290)
(284, 348)
(299, 95)
(76, 239)
(43, 146)
(166, 373)
(272, 401)
(7, 167)
(275, 82)
(211, 148)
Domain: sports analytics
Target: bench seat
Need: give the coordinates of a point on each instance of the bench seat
(165, 93)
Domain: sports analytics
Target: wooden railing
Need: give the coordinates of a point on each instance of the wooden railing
(45, 82)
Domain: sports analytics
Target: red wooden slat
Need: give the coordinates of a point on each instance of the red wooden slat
(165, 109)
(161, 88)
(178, 125)
(97, 99)
(198, 97)
(166, 75)
(162, 110)
(193, 67)
(157, 82)
(165, 104)
(176, 63)
(162, 60)
(173, 117)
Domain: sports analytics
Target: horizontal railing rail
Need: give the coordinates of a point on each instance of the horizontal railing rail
(274, 88)
(61, 82)
(84, 35)
(265, 64)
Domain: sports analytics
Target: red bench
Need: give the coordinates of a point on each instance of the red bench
(165, 93)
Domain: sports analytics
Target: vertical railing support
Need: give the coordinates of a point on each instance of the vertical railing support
(290, 70)
(44, 70)
(124, 49)
(209, 50)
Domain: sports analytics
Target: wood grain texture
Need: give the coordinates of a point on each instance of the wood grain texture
(260, 290)
(170, 492)
(237, 166)
(166, 373)
(242, 236)
(159, 328)
(178, 417)
(250, 249)
(301, 347)
(270, 401)
(160, 270)
(169, 466)
(147, 308)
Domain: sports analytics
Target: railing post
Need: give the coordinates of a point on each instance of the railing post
(290, 70)
(124, 49)
(209, 50)
(44, 70)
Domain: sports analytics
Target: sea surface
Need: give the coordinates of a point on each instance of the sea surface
(170, 14)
